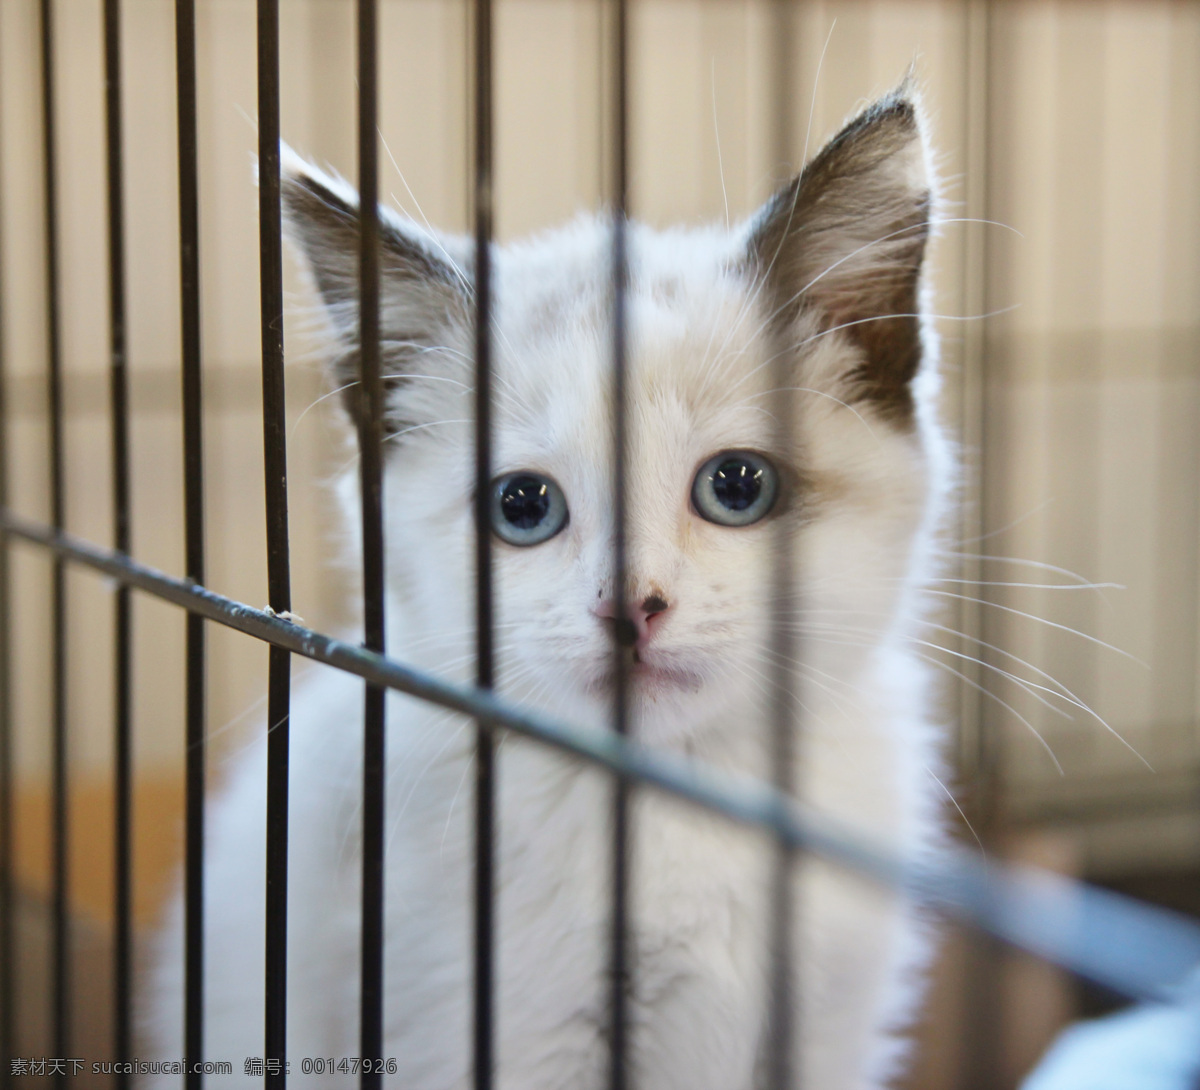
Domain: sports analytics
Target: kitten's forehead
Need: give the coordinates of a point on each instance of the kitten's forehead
(694, 332)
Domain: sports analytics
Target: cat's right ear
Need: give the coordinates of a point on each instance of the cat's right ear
(840, 250)
(425, 289)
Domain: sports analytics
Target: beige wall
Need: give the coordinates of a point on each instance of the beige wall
(1093, 395)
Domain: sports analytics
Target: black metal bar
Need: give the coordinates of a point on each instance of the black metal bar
(1133, 949)
(370, 442)
(620, 982)
(122, 663)
(980, 753)
(976, 755)
(193, 474)
(784, 1066)
(278, 565)
(485, 757)
(60, 926)
(8, 975)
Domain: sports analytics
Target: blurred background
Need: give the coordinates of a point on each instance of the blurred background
(1067, 279)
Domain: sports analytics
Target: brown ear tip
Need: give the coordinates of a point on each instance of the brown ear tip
(305, 195)
(900, 108)
(908, 92)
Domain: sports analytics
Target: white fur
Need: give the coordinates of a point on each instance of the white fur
(699, 384)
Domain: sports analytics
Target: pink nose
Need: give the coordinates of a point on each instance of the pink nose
(640, 623)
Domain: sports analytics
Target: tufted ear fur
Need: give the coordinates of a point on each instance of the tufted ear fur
(841, 247)
(424, 294)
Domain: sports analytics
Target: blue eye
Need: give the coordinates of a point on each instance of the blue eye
(527, 508)
(735, 488)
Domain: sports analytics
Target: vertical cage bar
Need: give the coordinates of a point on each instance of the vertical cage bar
(972, 755)
(278, 563)
(484, 1060)
(979, 752)
(8, 977)
(624, 634)
(60, 926)
(122, 664)
(784, 1069)
(193, 474)
(370, 441)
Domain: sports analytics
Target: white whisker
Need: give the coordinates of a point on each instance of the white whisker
(954, 802)
(1040, 620)
(1003, 703)
(812, 101)
(717, 136)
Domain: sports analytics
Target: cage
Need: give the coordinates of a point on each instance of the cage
(1067, 280)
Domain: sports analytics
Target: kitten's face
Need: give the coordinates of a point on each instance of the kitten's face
(716, 318)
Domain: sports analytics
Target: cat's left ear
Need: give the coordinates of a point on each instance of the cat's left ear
(425, 291)
(840, 250)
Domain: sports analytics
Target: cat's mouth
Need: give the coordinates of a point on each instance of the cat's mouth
(650, 675)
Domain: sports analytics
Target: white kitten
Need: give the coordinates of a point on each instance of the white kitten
(830, 269)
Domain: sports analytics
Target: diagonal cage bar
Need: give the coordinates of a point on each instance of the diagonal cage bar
(278, 564)
(1132, 949)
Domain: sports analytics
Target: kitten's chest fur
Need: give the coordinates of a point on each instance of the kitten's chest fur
(700, 909)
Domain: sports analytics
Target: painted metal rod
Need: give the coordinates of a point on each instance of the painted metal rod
(981, 747)
(483, 996)
(60, 919)
(279, 593)
(122, 615)
(8, 975)
(370, 443)
(624, 634)
(784, 1065)
(193, 477)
